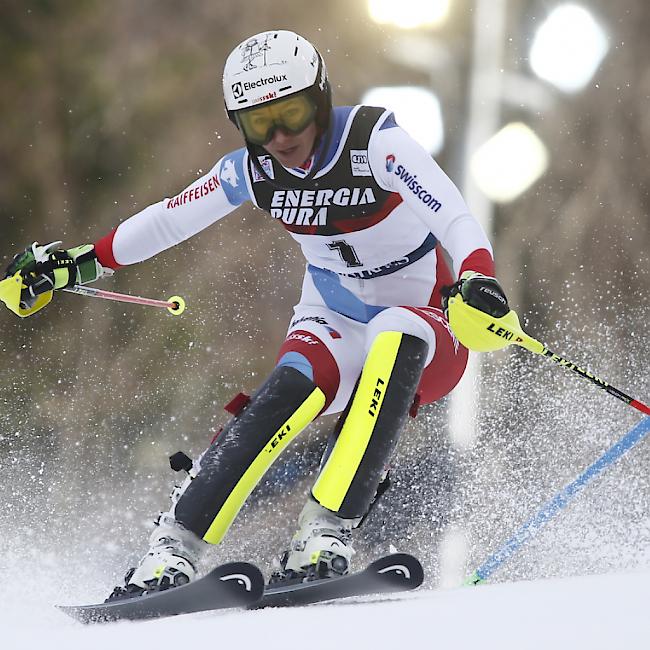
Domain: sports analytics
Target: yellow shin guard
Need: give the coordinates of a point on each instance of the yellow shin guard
(348, 481)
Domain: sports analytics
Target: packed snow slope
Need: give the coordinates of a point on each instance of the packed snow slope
(605, 611)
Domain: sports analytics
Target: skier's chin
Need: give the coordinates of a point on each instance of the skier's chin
(294, 156)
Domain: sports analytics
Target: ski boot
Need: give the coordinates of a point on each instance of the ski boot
(171, 561)
(321, 547)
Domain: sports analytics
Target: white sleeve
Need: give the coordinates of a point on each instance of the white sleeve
(401, 165)
(173, 220)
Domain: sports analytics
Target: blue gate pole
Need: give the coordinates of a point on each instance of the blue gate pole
(558, 502)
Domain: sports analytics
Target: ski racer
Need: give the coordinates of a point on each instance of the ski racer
(372, 212)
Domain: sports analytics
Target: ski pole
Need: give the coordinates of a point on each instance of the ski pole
(481, 332)
(558, 503)
(601, 383)
(175, 305)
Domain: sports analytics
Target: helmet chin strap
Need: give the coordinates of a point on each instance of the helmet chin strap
(254, 151)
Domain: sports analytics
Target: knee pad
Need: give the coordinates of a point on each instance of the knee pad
(399, 319)
(349, 479)
(306, 352)
(246, 448)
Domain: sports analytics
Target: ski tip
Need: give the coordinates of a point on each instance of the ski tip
(389, 574)
(246, 577)
(401, 569)
(235, 584)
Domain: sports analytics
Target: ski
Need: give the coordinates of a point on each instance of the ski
(239, 584)
(236, 584)
(389, 574)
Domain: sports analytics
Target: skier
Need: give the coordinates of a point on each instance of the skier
(369, 338)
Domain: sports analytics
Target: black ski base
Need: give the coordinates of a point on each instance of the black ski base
(236, 584)
(389, 574)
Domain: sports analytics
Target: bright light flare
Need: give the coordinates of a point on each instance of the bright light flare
(417, 111)
(568, 48)
(409, 14)
(509, 162)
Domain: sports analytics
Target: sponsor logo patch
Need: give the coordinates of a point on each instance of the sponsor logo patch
(317, 319)
(309, 207)
(411, 181)
(267, 166)
(229, 173)
(359, 162)
(314, 319)
(265, 98)
(390, 266)
(376, 397)
(436, 315)
(277, 439)
(333, 333)
(258, 83)
(193, 193)
(390, 162)
(305, 338)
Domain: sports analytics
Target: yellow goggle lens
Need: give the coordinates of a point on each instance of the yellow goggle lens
(293, 114)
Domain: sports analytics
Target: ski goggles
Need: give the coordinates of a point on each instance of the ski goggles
(293, 114)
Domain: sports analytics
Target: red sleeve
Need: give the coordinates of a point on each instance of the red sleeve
(104, 251)
(481, 261)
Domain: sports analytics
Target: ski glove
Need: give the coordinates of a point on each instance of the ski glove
(46, 268)
(479, 291)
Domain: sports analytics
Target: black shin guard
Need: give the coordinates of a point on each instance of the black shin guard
(249, 444)
(348, 482)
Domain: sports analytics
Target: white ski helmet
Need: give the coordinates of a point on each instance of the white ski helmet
(273, 65)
